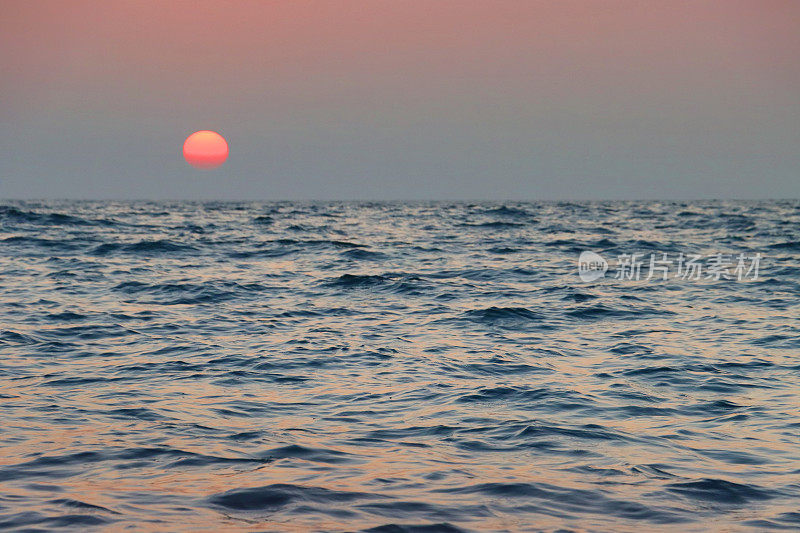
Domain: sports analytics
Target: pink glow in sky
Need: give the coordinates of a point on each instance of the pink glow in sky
(551, 99)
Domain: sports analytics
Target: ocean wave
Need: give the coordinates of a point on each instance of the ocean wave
(509, 211)
(187, 293)
(363, 255)
(280, 495)
(143, 247)
(393, 367)
(721, 491)
(492, 224)
(492, 315)
(264, 220)
(13, 215)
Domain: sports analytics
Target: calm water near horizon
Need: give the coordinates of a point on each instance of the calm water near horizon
(291, 366)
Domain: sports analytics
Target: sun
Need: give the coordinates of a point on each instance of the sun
(205, 149)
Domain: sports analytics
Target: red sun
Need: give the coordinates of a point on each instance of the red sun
(205, 149)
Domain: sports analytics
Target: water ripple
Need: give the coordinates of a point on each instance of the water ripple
(394, 367)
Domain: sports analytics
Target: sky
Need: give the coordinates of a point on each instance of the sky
(401, 99)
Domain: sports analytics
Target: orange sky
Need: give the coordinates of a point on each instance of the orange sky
(568, 72)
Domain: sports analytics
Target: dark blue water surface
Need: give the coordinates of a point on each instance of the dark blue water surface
(395, 367)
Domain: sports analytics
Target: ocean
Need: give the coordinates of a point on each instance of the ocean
(391, 367)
